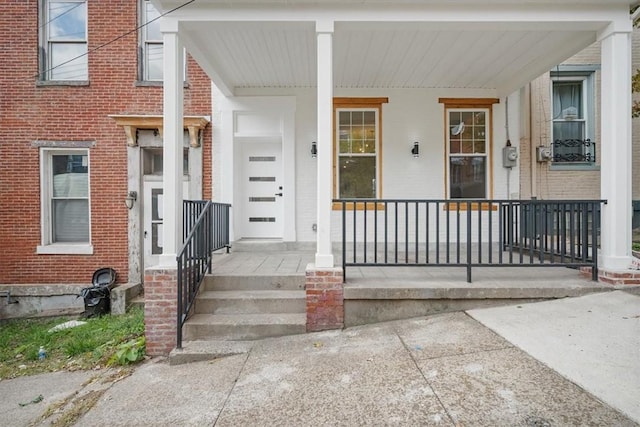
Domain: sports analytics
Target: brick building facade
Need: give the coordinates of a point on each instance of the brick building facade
(37, 113)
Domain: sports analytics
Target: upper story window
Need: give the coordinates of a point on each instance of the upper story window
(151, 56)
(573, 118)
(150, 44)
(64, 40)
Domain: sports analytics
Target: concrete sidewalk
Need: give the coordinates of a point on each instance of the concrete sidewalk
(446, 370)
(593, 341)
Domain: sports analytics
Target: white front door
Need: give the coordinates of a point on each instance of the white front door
(262, 190)
(153, 216)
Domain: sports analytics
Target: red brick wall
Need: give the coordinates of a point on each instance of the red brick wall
(160, 310)
(29, 113)
(325, 299)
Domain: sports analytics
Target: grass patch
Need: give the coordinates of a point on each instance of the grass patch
(82, 347)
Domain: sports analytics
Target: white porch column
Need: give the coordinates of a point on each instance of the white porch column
(172, 146)
(324, 32)
(615, 186)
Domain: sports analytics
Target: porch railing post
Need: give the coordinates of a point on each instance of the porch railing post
(469, 260)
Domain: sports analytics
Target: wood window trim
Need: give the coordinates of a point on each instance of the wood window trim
(470, 103)
(475, 206)
(341, 102)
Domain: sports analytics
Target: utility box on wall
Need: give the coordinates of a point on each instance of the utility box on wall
(509, 156)
(543, 153)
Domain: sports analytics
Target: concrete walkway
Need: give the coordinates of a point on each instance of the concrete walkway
(593, 341)
(447, 369)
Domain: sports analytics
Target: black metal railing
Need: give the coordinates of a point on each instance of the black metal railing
(191, 210)
(574, 150)
(470, 233)
(206, 226)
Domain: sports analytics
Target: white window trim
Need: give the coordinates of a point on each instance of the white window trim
(143, 68)
(486, 154)
(377, 153)
(144, 43)
(46, 247)
(46, 72)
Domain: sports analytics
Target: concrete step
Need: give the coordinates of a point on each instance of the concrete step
(198, 351)
(250, 302)
(137, 302)
(258, 283)
(240, 327)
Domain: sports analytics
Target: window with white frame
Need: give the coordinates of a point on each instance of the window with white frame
(572, 118)
(150, 43)
(64, 40)
(65, 197)
(357, 152)
(467, 151)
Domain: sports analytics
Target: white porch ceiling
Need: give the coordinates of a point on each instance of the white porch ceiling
(500, 54)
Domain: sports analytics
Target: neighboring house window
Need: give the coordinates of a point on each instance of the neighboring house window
(151, 43)
(64, 40)
(65, 201)
(151, 56)
(468, 142)
(573, 117)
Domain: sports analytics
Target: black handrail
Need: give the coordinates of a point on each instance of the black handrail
(470, 233)
(205, 233)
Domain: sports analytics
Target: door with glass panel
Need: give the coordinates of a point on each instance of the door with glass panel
(153, 203)
(262, 190)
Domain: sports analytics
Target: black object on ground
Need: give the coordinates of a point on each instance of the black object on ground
(97, 298)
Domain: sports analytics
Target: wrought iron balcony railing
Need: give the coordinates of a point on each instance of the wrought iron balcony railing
(574, 150)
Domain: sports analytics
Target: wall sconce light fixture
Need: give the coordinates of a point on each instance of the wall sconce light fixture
(314, 149)
(132, 196)
(416, 149)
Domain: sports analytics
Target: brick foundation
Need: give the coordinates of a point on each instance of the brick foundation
(617, 277)
(627, 277)
(325, 298)
(160, 310)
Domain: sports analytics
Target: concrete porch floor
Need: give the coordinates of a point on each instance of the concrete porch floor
(270, 262)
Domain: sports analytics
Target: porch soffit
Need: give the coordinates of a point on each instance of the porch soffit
(132, 122)
(499, 45)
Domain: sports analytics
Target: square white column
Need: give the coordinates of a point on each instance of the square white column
(324, 254)
(615, 186)
(172, 147)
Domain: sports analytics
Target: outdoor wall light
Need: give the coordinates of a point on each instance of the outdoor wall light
(416, 149)
(314, 149)
(132, 196)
